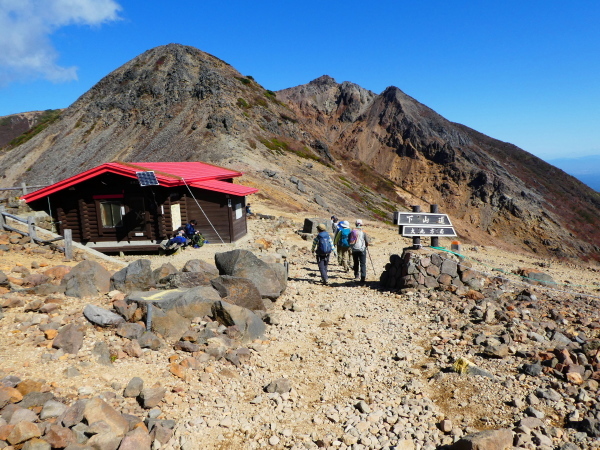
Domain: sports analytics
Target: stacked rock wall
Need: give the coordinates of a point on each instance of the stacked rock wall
(422, 269)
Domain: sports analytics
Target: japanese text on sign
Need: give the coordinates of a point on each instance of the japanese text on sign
(423, 219)
(409, 231)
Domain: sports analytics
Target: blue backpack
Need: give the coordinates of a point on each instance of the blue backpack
(345, 234)
(324, 243)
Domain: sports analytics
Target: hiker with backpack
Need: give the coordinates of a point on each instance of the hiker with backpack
(322, 248)
(195, 237)
(359, 241)
(185, 235)
(342, 243)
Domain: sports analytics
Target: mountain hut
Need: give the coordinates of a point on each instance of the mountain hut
(121, 206)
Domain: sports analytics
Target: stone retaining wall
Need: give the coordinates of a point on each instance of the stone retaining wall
(423, 269)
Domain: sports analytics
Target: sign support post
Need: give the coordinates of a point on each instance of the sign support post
(416, 239)
(435, 241)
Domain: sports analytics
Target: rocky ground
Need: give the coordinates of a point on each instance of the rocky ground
(347, 366)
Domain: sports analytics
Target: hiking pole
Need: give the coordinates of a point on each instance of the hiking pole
(372, 265)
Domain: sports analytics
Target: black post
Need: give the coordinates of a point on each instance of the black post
(416, 239)
(435, 241)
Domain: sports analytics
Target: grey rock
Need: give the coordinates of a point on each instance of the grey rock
(52, 408)
(530, 422)
(187, 280)
(590, 426)
(531, 411)
(249, 324)
(102, 353)
(102, 317)
(490, 439)
(69, 338)
(134, 387)
(74, 414)
(137, 276)
(130, 330)
(150, 340)
(496, 351)
(319, 200)
(86, 279)
(540, 278)
(151, 397)
(187, 302)
(126, 310)
(22, 415)
(281, 386)
(198, 265)
(242, 263)
(163, 271)
(363, 407)
(449, 267)
(97, 410)
(534, 370)
(548, 394)
(238, 291)
(169, 324)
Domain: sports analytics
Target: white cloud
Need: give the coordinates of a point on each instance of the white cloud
(26, 50)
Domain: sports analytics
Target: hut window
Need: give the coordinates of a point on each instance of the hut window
(111, 214)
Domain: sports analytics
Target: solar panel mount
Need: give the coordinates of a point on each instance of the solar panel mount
(147, 178)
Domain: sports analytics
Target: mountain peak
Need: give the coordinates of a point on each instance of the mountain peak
(378, 152)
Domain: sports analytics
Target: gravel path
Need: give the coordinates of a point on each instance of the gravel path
(367, 369)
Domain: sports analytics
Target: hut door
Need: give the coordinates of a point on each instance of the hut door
(136, 218)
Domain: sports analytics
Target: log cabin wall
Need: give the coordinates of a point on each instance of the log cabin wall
(78, 208)
(215, 206)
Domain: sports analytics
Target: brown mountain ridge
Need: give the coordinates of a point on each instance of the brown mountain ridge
(323, 146)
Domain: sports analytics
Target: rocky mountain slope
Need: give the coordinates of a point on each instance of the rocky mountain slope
(319, 147)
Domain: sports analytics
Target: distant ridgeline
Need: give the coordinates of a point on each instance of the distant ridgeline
(586, 169)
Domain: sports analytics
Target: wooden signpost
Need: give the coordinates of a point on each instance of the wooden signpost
(416, 224)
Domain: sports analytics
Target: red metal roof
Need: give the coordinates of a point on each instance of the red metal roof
(168, 174)
(225, 187)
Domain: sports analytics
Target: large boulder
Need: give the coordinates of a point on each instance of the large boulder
(244, 264)
(86, 279)
(250, 325)
(137, 276)
(239, 291)
(163, 271)
(189, 303)
(170, 325)
(282, 274)
(197, 265)
(187, 280)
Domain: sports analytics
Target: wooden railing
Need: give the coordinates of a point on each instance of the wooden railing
(32, 233)
(23, 189)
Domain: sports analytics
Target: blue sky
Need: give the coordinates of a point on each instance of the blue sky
(525, 72)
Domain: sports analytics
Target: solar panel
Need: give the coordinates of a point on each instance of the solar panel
(147, 178)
